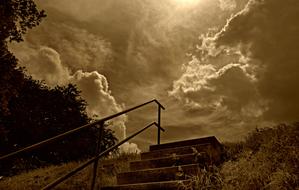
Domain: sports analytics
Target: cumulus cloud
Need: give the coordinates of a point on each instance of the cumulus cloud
(249, 68)
(147, 37)
(47, 64)
(87, 81)
(139, 48)
(95, 91)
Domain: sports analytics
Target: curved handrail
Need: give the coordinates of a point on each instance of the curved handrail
(92, 160)
(60, 136)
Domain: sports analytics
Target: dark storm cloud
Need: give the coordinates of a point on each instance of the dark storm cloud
(257, 80)
(149, 39)
(137, 47)
(269, 38)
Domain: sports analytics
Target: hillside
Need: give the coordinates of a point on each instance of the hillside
(267, 159)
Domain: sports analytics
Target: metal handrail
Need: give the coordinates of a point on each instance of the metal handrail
(99, 154)
(92, 160)
(60, 136)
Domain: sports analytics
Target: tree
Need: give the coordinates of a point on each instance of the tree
(16, 17)
(40, 112)
(30, 111)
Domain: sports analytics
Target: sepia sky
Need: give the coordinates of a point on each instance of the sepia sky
(220, 67)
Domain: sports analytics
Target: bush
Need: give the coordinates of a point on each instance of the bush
(269, 160)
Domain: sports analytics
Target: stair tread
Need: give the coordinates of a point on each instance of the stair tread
(177, 150)
(164, 157)
(174, 160)
(163, 182)
(150, 169)
(168, 165)
(157, 174)
(164, 185)
(190, 142)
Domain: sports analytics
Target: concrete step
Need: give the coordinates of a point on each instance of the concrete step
(174, 160)
(158, 174)
(210, 140)
(165, 185)
(177, 150)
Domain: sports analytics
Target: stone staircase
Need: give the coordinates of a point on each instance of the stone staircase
(169, 166)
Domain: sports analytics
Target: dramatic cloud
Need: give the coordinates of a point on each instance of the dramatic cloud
(269, 38)
(228, 4)
(148, 39)
(78, 48)
(220, 79)
(138, 47)
(45, 64)
(87, 81)
(95, 91)
(250, 68)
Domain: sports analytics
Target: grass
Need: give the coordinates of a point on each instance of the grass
(267, 159)
(38, 178)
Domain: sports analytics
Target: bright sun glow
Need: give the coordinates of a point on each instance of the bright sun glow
(186, 2)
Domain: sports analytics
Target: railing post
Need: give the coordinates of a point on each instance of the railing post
(98, 150)
(159, 124)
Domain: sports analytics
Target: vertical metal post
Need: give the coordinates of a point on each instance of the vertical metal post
(159, 123)
(98, 150)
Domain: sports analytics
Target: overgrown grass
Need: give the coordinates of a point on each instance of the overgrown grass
(267, 159)
(36, 179)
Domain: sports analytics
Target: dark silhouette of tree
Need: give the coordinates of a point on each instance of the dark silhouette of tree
(16, 17)
(30, 111)
(39, 112)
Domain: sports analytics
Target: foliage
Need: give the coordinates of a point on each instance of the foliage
(29, 110)
(39, 113)
(206, 179)
(16, 16)
(267, 159)
(11, 79)
(231, 150)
